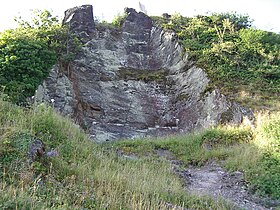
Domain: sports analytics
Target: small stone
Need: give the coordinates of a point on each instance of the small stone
(52, 153)
(36, 150)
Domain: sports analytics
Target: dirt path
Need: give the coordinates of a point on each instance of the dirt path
(214, 181)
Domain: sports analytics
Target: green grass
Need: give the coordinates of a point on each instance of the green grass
(90, 176)
(84, 175)
(192, 149)
(252, 150)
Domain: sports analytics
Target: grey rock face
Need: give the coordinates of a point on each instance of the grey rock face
(58, 91)
(80, 19)
(133, 82)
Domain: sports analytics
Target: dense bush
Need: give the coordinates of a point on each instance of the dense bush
(24, 63)
(28, 52)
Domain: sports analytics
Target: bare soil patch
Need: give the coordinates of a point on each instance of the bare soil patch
(212, 180)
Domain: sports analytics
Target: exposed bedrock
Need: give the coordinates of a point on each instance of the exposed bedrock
(132, 82)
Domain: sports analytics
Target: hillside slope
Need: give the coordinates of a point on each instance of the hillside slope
(47, 162)
(243, 62)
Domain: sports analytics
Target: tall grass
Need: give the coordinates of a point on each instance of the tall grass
(254, 150)
(84, 175)
(90, 176)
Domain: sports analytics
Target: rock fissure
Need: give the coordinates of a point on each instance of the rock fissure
(138, 77)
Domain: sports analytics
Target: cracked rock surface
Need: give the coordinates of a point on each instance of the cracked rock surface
(133, 81)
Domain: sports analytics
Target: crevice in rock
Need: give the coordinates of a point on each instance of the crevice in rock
(133, 82)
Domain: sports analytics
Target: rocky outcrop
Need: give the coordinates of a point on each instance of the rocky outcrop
(80, 19)
(132, 82)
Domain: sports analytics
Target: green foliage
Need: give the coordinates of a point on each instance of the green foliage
(235, 56)
(40, 19)
(266, 179)
(28, 52)
(227, 136)
(239, 21)
(118, 20)
(13, 145)
(24, 63)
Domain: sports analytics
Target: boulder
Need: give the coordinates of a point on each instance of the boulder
(36, 150)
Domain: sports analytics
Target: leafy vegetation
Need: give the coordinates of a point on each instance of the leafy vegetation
(236, 57)
(118, 20)
(28, 52)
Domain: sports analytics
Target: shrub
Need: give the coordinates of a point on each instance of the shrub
(28, 53)
(118, 20)
(235, 56)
